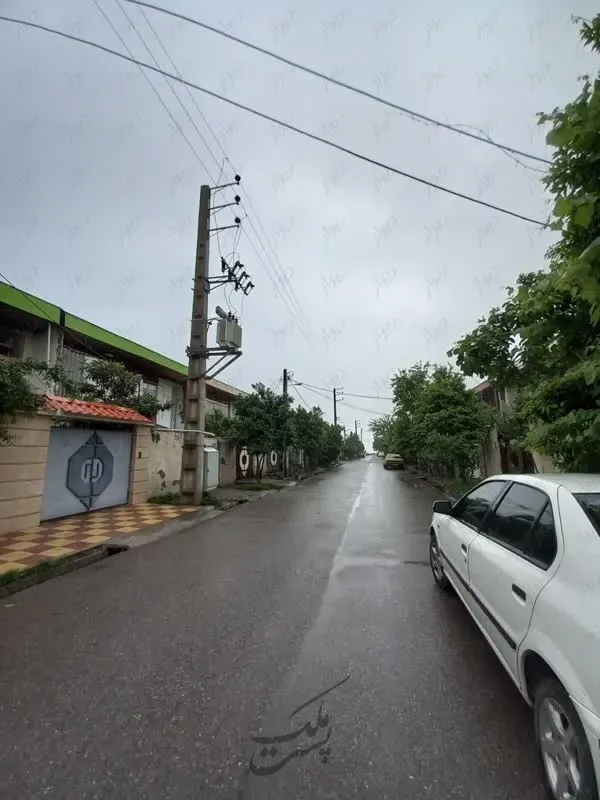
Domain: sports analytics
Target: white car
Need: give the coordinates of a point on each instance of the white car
(523, 554)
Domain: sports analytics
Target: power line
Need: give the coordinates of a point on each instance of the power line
(350, 394)
(180, 79)
(290, 291)
(189, 93)
(255, 112)
(140, 65)
(409, 112)
(300, 396)
(226, 158)
(296, 309)
(276, 287)
(343, 402)
(365, 410)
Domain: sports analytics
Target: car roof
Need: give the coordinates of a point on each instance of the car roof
(576, 483)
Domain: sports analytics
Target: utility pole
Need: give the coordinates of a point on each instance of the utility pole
(336, 397)
(192, 461)
(286, 377)
(334, 407)
(356, 427)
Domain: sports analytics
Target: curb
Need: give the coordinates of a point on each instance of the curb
(438, 486)
(124, 542)
(61, 566)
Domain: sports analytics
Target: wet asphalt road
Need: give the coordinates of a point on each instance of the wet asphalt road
(145, 675)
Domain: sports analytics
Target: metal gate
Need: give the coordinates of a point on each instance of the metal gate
(87, 469)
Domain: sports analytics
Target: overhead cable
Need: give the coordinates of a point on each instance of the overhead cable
(330, 79)
(276, 121)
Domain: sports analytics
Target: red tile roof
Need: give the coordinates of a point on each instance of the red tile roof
(83, 408)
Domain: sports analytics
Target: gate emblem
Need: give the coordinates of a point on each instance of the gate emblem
(244, 461)
(90, 471)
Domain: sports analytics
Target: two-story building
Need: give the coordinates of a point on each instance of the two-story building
(30, 327)
(33, 328)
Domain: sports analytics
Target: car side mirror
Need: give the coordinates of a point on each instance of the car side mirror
(442, 507)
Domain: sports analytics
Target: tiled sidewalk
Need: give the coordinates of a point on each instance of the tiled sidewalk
(22, 549)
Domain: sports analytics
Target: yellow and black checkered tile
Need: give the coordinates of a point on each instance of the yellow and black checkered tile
(64, 537)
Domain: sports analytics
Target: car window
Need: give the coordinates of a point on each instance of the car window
(473, 507)
(591, 505)
(542, 538)
(512, 520)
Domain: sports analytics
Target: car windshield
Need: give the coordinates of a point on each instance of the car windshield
(591, 505)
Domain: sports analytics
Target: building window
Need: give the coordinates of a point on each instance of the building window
(148, 387)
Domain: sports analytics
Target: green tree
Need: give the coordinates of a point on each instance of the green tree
(438, 423)
(407, 387)
(216, 422)
(310, 431)
(107, 381)
(449, 423)
(17, 395)
(382, 429)
(352, 447)
(332, 446)
(544, 341)
(262, 422)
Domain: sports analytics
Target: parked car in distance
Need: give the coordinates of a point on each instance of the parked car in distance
(523, 554)
(393, 461)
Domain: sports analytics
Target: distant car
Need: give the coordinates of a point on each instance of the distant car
(523, 554)
(393, 461)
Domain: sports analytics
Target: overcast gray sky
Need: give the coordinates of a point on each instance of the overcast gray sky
(100, 190)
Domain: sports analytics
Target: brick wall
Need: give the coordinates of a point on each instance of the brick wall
(22, 472)
(140, 461)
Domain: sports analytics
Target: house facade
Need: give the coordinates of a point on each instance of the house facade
(37, 470)
(498, 456)
(33, 328)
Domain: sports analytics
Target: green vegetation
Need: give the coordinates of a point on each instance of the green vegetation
(544, 341)
(17, 396)
(107, 381)
(265, 486)
(166, 499)
(104, 381)
(438, 424)
(43, 568)
(352, 447)
(265, 421)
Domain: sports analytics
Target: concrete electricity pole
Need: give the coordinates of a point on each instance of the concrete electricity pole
(336, 397)
(356, 427)
(192, 461)
(286, 377)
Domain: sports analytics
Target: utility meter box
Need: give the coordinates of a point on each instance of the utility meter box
(212, 465)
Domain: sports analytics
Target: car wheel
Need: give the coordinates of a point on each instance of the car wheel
(563, 745)
(437, 568)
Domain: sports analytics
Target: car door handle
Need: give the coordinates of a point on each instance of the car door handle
(519, 592)
(463, 547)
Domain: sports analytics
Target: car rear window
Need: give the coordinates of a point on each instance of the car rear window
(591, 505)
